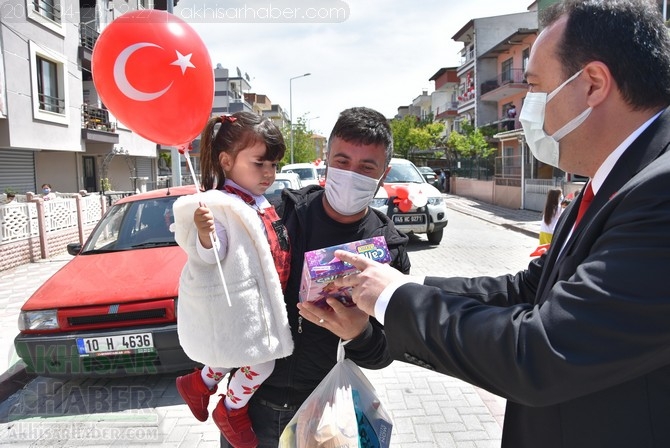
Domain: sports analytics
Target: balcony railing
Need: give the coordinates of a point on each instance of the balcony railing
(87, 36)
(51, 103)
(96, 118)
(511, 76)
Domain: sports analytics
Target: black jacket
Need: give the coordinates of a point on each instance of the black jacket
(578, 343)
(295, 377)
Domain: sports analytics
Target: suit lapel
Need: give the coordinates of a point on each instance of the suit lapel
(645, 149)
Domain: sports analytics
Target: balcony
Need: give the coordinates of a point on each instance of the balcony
(446, 110)
(508, 83)
(87, 39)
(96, 127)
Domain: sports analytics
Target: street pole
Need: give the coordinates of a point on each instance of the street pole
(290, 106)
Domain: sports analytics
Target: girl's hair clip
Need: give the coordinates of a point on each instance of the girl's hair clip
(228, 118)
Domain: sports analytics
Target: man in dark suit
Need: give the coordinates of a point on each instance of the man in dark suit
(579, 342)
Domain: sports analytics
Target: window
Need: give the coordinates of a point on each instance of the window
(506, 71)
(47, 13)
(48, 8)
(49, 85)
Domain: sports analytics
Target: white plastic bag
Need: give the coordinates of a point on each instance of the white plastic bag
(343, 411)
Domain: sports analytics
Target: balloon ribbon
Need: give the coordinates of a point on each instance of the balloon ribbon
(212, 236)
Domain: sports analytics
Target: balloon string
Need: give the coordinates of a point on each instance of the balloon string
(212, 235)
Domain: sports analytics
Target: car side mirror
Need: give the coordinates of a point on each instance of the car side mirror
(74, 248)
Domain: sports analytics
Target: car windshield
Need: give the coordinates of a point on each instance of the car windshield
(277, 186)
(404, 172)
(134, 225)
(304, 173)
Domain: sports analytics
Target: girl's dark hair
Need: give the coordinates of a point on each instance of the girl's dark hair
(551, 205)
(234, 133)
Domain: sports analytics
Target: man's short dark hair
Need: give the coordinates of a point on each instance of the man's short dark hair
(364, 126)
(628, 36)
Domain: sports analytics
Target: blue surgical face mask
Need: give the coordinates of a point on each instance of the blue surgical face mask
(545, 147)
(46, 190)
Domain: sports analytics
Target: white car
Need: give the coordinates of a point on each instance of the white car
(282, 180)
(310, 174)
(411, 203)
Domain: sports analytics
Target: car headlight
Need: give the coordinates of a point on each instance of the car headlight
(436, 200)
(378, 202)
(38, 320)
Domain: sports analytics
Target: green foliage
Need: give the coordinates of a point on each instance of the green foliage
(471, 143)
(10, 191)
(303, 143)
(105, 184)
(410, 133)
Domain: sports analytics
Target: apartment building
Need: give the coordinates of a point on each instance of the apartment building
(444, 98)
(53, 127)
(480, 65)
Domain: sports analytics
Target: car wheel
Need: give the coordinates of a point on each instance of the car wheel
(435, 237)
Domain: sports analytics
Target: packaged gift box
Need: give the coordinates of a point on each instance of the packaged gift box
(321, 268)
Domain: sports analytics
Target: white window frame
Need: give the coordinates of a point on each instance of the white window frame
(57, 27)
(61, 67)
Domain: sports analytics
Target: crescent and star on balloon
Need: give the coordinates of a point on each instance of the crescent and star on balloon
(124, 85)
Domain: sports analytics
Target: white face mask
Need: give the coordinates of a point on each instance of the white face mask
(545, 147)
(349, 192)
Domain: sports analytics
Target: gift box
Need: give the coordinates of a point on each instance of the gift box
(321, 268)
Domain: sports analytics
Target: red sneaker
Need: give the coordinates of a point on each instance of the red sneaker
(235, 425)
(195, 393)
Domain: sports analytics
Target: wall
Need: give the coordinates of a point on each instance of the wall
(35, 230)
(481, 190)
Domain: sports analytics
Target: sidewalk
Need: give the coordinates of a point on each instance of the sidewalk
(525, 221)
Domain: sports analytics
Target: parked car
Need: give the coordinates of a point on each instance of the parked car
(282, 180)
(430, 175)
(309, 172)
(112, 310)
(413, 204)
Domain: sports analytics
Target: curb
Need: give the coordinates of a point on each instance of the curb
(14, 379)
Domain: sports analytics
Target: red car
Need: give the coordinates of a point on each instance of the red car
(112, 310)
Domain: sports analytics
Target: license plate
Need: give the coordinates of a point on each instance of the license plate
(409, 219)
(116, 345)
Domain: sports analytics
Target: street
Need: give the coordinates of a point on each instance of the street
(428, 409)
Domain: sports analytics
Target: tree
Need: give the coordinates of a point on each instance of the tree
(410, 133)
(471, 143)
(303, 143)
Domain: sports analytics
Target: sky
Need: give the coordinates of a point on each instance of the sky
(373, 53)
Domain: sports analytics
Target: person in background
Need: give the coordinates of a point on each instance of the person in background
(577, 343)
(552, 211)
(511, 116)
(47, 194)
(360, 147)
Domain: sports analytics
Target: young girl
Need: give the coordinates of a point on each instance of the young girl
(238, 163)
(552, 211)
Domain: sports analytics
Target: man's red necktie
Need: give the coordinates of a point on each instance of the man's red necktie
(587, 197)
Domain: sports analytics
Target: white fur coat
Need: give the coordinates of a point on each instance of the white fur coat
(255, 329)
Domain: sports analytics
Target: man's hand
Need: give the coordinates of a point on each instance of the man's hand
(369, 283)
(347, 322)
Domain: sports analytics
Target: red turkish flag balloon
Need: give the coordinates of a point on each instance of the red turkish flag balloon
(153, 72)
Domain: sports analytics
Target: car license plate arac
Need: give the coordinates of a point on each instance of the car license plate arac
(116, 345)
(409, 219)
